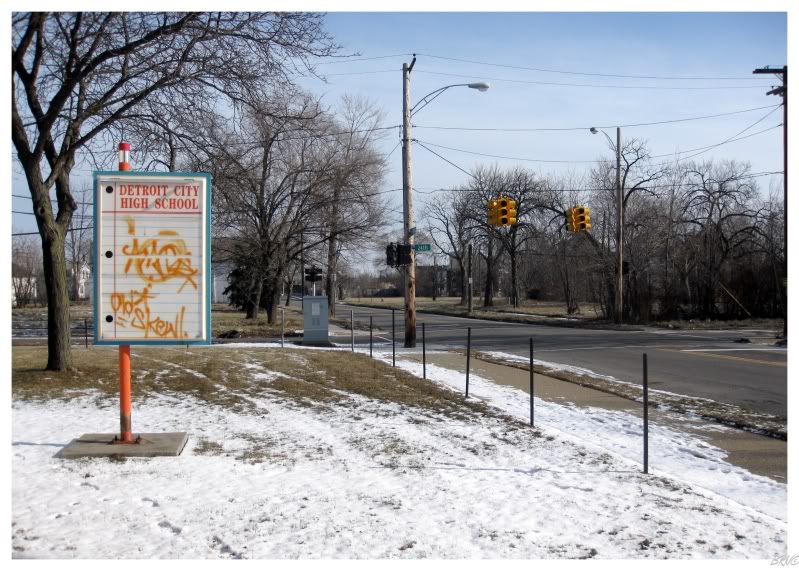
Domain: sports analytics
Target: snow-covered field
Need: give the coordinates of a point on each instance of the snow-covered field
(363, 478)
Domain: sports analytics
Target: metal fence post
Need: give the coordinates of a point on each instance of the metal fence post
(468, 355)
(370, 336)
(282, 326)
(424, 355)
(86, 332)
(393, 341)
(352, 330)
(646, 418)
(532, 385)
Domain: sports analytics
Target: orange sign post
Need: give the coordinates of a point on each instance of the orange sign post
(125, 417)
(152, 278)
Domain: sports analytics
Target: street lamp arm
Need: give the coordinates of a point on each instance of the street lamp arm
(424, 101)
(594, 130)
(435, 94)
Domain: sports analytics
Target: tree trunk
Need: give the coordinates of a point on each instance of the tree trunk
(514, 286)
(464, 291)
(255, 299)
(59, 352)
(271, 300)
(488, 298)
(52, 232)
(291, 288)
(330, 282)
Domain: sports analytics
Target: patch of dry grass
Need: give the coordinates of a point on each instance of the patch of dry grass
(226, 376)
(205, 447)
(225, 318)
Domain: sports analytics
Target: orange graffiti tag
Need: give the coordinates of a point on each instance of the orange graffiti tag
(158, 260)
(133, 310)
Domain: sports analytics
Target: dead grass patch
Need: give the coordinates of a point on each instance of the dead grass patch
(225, 318)
(206, 447)
(227, 376)
(354, 373)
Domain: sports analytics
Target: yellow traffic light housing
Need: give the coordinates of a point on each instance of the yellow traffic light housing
(493, 212)
(510, 212)
(506, 212)
(569, 226)
(583, 219)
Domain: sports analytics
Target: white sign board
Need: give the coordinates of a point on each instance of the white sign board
(152, 258)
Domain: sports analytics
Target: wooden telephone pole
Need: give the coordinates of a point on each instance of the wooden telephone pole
(783, 92)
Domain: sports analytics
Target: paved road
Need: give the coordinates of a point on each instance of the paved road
(706, 364)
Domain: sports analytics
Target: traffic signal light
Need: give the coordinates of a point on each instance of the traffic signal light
(569, 221)
(313, 274)
(404, 254)
(493, 212)
(391, 255)
(583, 219)
(507, 211)
(501, 212)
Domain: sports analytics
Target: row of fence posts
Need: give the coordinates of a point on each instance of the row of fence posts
(468, 368)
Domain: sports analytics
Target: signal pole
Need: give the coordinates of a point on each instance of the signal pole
(618, 317)
(407, 207)
(782, 91)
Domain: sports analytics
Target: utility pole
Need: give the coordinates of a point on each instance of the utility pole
(469, 284)
(618, 316)
(407, 207)
(782, 91)
(435, 277)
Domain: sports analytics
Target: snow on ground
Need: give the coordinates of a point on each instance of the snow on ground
(362, 479)
(675, 454)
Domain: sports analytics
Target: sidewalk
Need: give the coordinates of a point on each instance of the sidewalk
(758, 454)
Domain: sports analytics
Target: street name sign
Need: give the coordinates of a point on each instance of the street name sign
(152, 258)
(423, 247)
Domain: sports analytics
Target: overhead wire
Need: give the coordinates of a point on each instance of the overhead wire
(708, 147)
(583, 128)
(665, 185)
(568, 72)
(358, 59)
(599, 86)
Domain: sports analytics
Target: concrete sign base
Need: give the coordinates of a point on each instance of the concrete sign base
(150, 444)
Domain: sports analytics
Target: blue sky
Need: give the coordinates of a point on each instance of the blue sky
(652, 44)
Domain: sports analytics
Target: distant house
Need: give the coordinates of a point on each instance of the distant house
(220, 280)
(80, 286)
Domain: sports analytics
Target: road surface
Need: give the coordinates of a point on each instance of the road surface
(707, 364)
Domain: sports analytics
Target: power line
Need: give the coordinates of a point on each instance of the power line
(650, 186)
(51, 198)
(373, 71)
(585, 128)
(359, 59)
(68, 230)
(595, 160)
(593, 85)
(725, 141)
(543, 70)
(392, 150)
(446, 160)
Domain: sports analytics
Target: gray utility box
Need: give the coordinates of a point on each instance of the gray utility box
(314, 313)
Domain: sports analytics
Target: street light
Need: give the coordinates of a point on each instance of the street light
(619, 313)
(407, 184)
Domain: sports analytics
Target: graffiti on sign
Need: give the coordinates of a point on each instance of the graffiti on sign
(151, 245)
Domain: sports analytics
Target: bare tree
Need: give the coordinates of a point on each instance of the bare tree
(26, 264)
(358, 171)
(451, 228)
(76, 75)
(78, 239)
